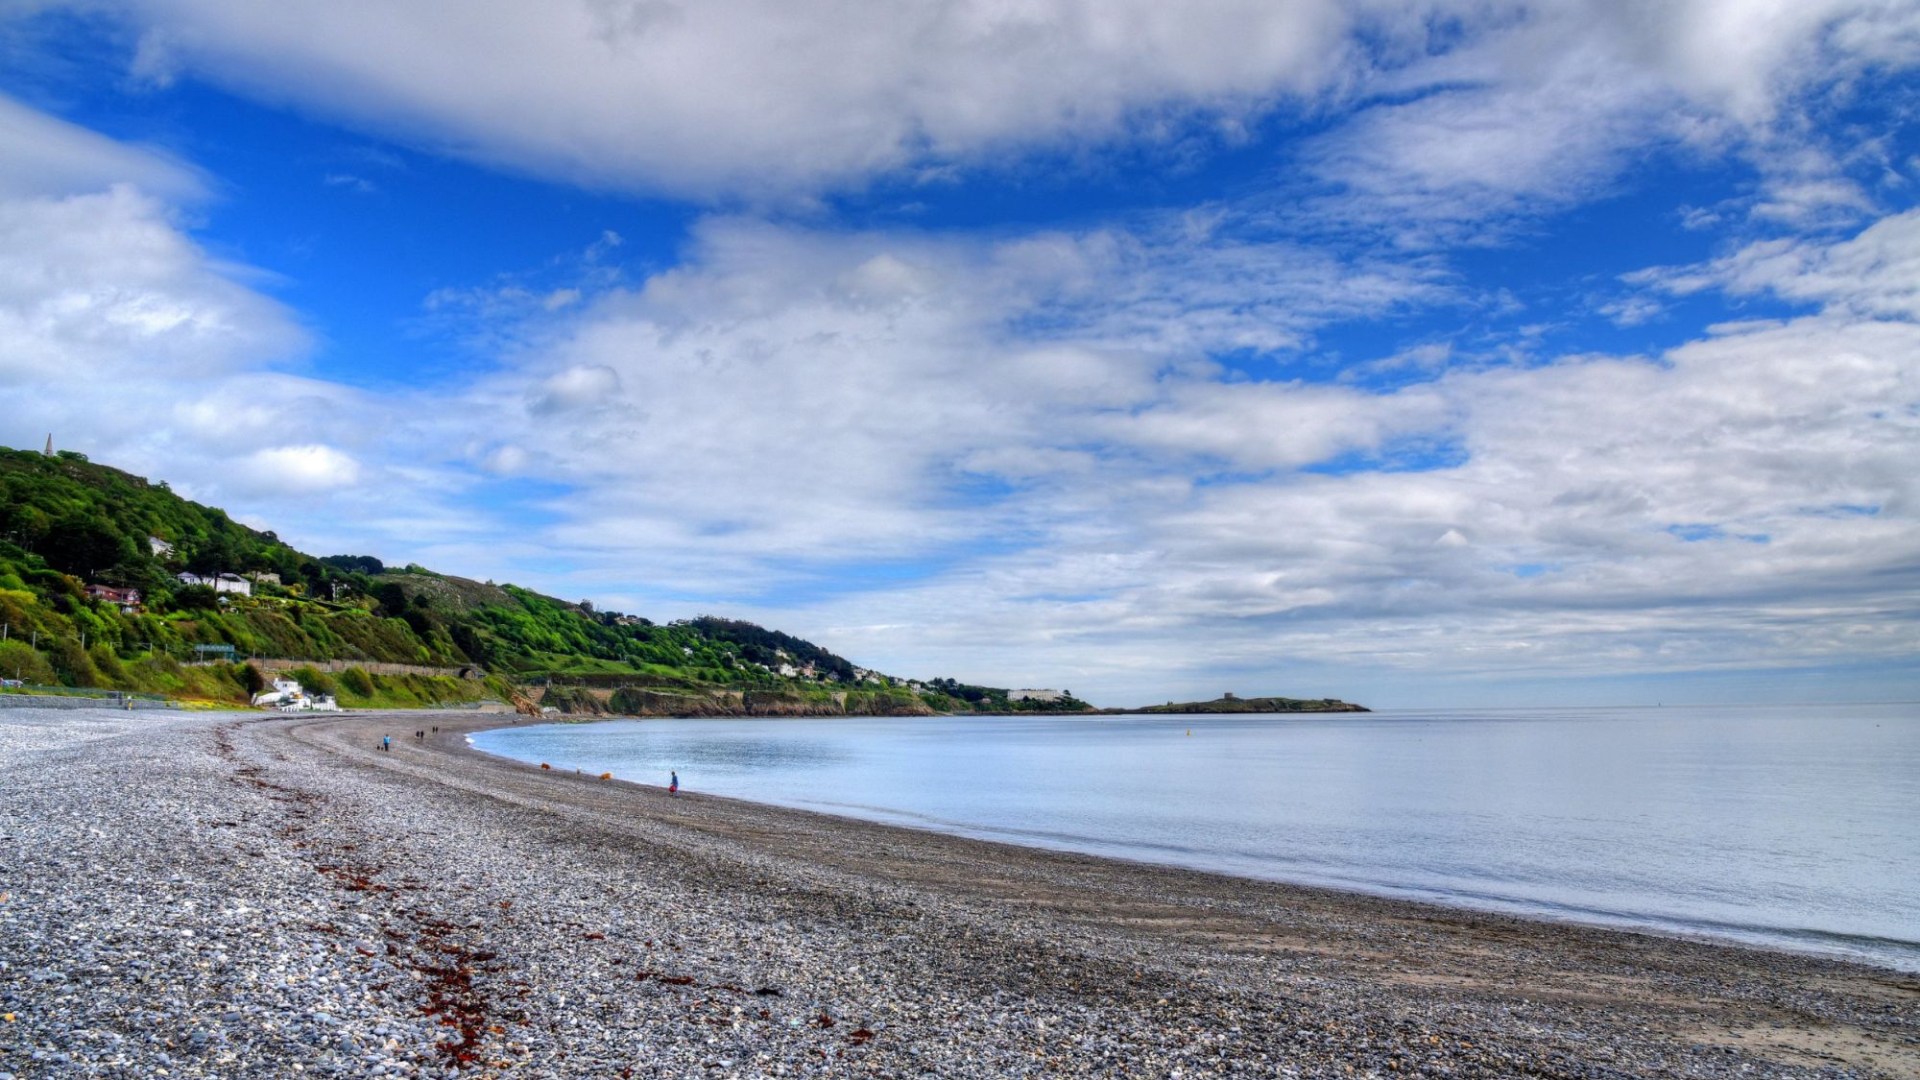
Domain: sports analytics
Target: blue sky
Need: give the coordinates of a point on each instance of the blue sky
(1409, 352)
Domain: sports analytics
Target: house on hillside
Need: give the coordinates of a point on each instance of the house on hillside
(263, 577)
(220, 583)
(127, 599)
(1035, 695)
(161, 549)
(284, 690)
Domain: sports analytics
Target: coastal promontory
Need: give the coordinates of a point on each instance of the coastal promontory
(1229, 703)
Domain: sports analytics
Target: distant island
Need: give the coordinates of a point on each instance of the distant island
(1229, 703)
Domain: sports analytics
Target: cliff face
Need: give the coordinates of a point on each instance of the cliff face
(785, 703)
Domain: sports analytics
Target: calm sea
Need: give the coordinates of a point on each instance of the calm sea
(1796, 826)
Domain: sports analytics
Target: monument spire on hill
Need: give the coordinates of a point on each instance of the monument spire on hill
(49, 444)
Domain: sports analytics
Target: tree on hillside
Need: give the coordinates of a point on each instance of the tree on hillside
(355, 564)
(85, 544)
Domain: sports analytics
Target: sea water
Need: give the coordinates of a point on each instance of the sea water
(1795, 826)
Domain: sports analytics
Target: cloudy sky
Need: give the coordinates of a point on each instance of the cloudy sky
(1409, 351)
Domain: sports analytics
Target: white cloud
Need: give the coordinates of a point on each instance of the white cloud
(799, 397)
(300, 469)
(1545, 105)
(1875, 273)
(1522, 100)
(1748, 500)
(359, 185)
(578, 387)
(127, 340)
(748, 95)
(103, 286)
(48, 157)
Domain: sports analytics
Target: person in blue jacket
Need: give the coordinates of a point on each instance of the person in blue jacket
(673, 786)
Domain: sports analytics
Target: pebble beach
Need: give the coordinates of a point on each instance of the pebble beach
(247, 895)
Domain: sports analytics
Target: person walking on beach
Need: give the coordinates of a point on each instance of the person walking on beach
(386, 743)
(673, 786)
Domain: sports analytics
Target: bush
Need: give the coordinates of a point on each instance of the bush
(72, 662)
(20, 661)
(107, 663)
(356, 681)
(196, 598)
(312, 681)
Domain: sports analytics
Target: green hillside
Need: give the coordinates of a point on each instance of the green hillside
(71, 531)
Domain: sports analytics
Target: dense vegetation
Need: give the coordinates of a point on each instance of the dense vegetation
(67, 524)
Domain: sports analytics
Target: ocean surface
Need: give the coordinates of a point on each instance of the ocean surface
(1794, 826)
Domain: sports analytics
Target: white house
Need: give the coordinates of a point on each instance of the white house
(160, 547)
(1035, 695)
(288, 695)
(227, 583)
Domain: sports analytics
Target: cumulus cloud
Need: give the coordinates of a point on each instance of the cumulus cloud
(126, 339)
(757, 98)
(1544, 105)
(804, 396)
(578, 387)
(103, 285)
(1745, 500)
(47, 157)
(747, 95)
(303, 469)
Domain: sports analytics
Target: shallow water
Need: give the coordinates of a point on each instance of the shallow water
(1796, 826)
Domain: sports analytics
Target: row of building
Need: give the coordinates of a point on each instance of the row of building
(128, 600)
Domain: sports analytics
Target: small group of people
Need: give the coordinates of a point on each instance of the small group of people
(386, 741)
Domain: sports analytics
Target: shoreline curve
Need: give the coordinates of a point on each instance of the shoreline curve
(435, 910)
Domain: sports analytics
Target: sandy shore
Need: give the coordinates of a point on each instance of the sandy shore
(244, 896)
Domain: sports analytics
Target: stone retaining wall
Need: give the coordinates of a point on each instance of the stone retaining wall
(61, 701)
